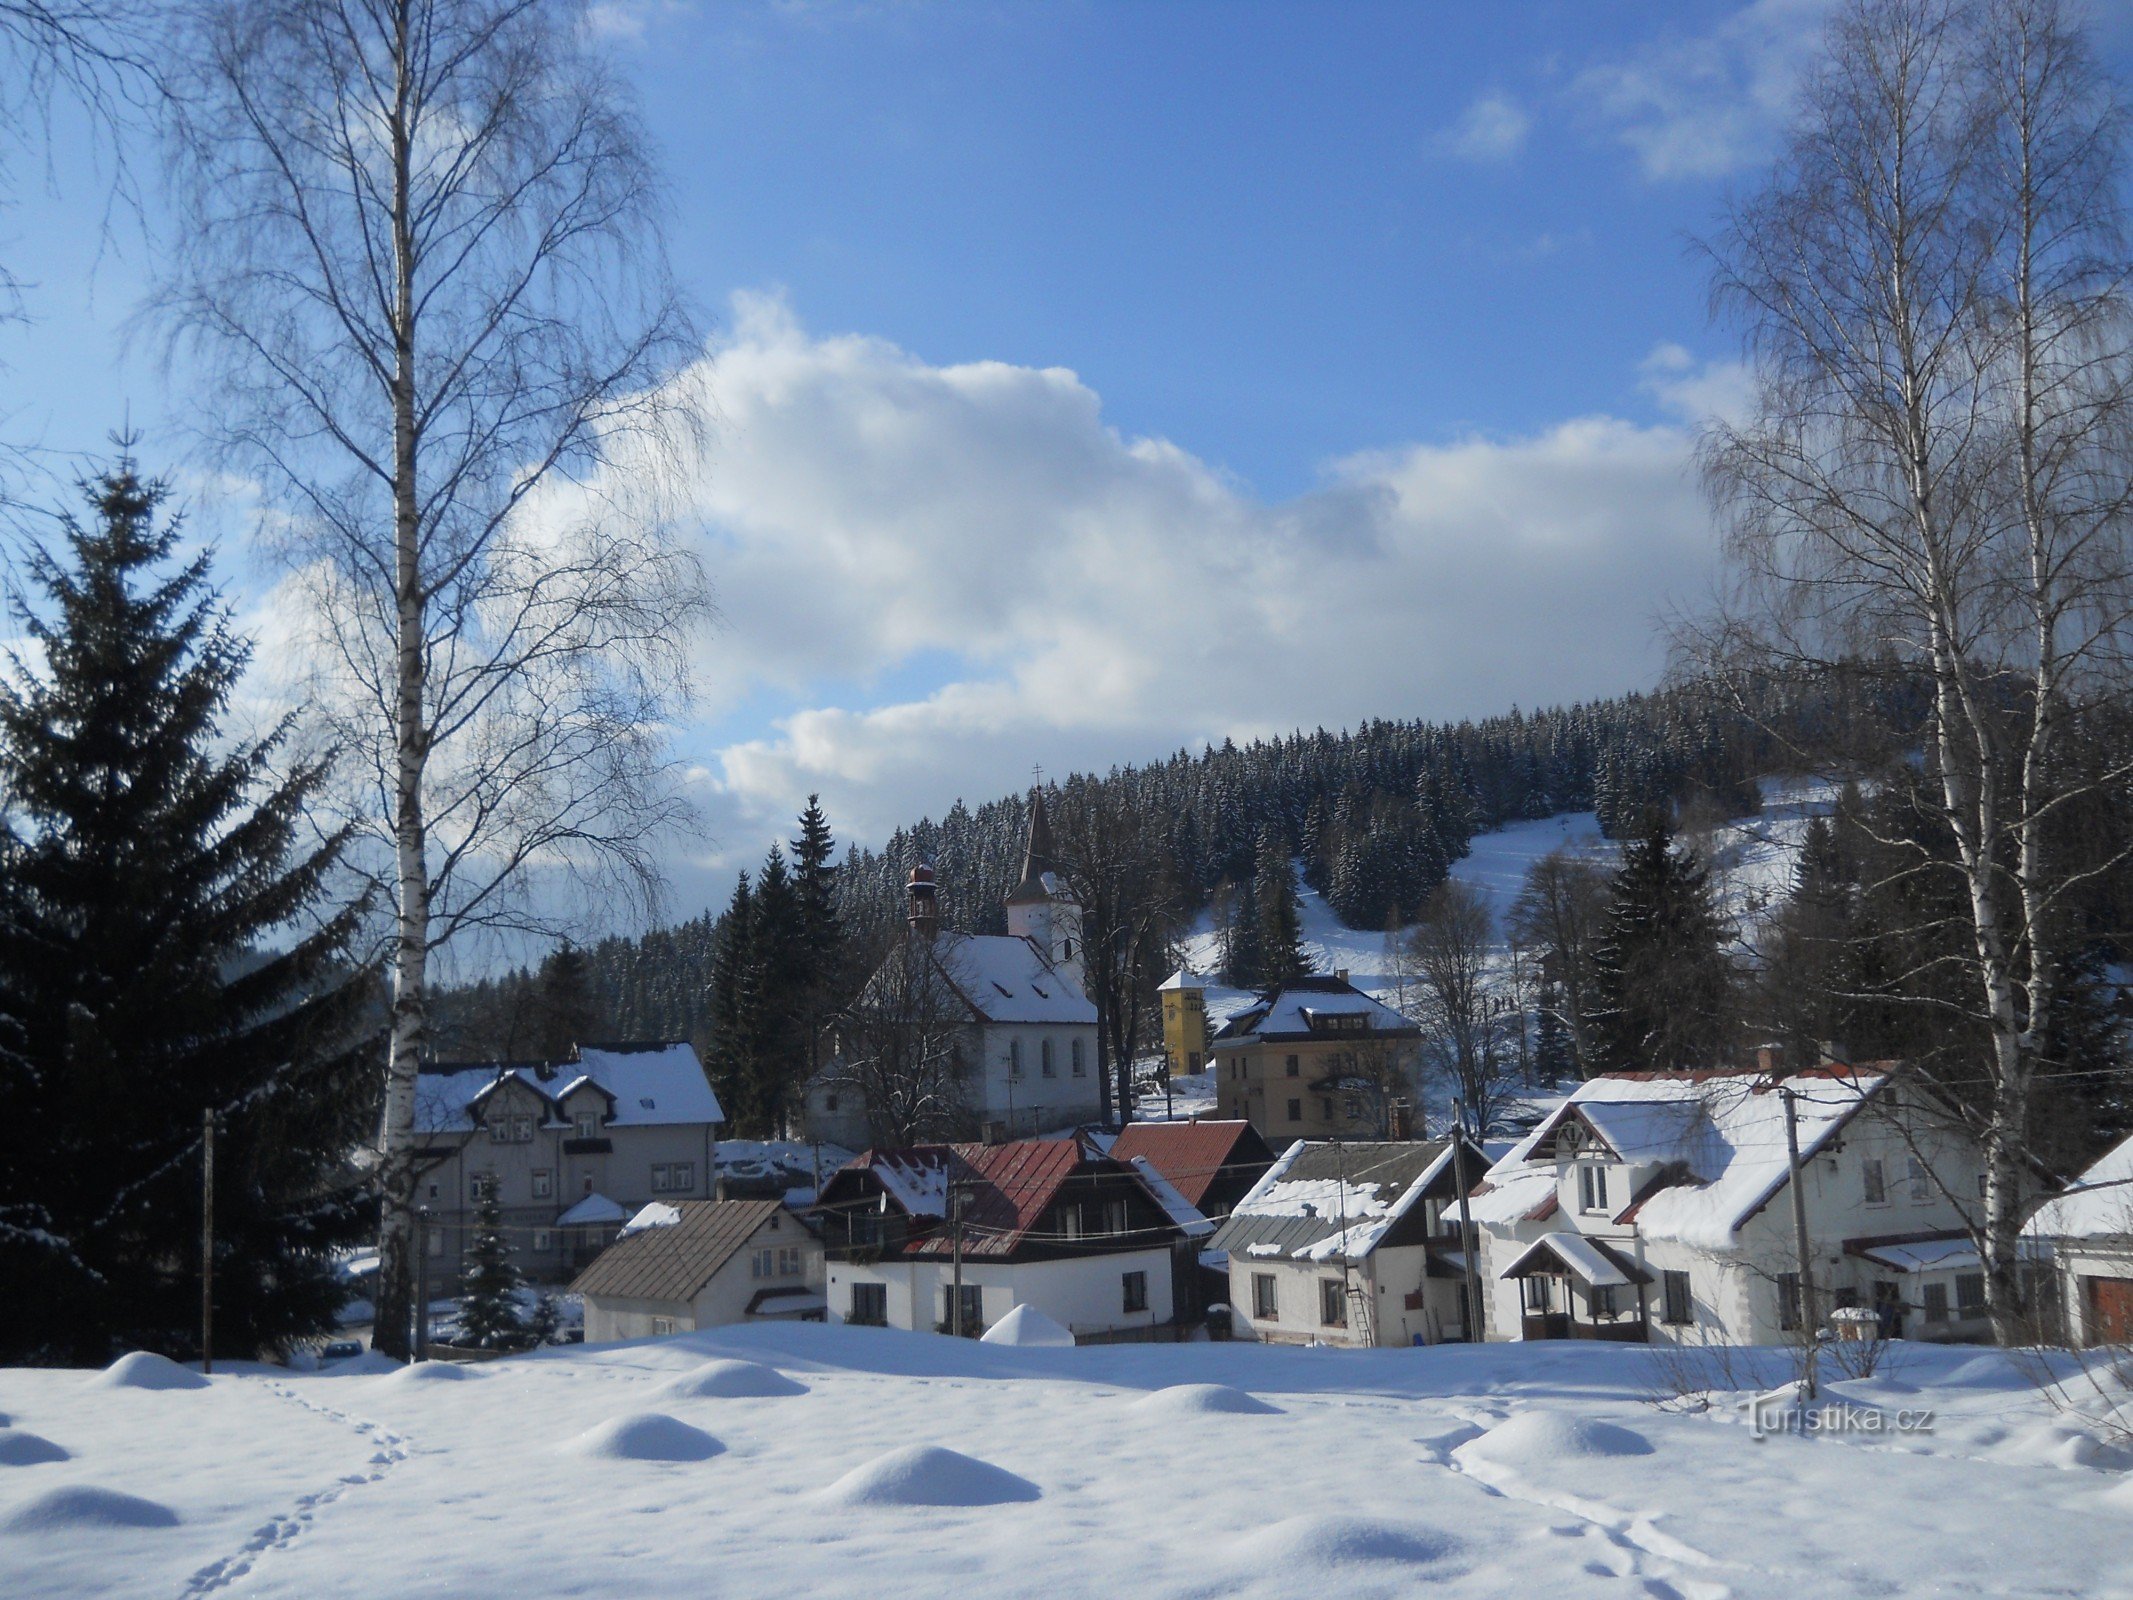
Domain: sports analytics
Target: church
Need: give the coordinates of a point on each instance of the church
(1021, 1028)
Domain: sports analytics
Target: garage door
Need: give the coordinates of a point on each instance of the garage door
(2110, 1318)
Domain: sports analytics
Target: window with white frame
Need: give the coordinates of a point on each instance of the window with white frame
(763, 1264)
(1874, 1182)
(1676, 1305)
(586, 1124)
(543, 1183)
(1935, 1296)
(1592, 1187)
(1264, 1298)
(789, 1261)
(662, 1326)
(1921, 1183)
(543, 1239)
(481, 1186)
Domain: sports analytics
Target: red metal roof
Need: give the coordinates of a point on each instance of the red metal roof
(1190, 1154)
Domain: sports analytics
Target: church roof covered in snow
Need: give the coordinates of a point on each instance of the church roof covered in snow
(1006, 979)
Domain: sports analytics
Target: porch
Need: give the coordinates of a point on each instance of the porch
(1573, 1287)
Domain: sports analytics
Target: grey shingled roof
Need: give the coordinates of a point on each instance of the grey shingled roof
(1380, 1182)
(676, 1261)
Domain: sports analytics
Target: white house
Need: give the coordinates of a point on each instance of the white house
(2088, 1232)
(1049, 1223)
(1657, 1206)
(1027, 1051)
(1352, 1243)
(702, 1264)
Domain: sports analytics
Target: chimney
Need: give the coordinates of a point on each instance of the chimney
(1770, 1060)
(1340, 974)
(922, 905)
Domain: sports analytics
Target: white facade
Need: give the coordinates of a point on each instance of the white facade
(1876, 1171)
(1385, 1298)
(781, 1257)
(1084, 1294)
(2088, 1234)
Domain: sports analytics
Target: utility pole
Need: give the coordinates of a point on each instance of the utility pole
(207, 1241)
(955, 1236)
(1806, 1308)
(1474, 1317)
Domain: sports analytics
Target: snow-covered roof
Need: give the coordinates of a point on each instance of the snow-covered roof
(657, 1084)
(1183, 978)
(1179, 1209)
(920, 1187)
(656, 1215)
(1007, 979)
(1324, 1201)
(594, 1208)
(1585, 1257)
(2099, 1204)
(1723, 1131)
(654, 1085)
(1303, 1010)
(1951, 1253)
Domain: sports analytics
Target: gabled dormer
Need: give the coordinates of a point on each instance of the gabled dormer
(587, 1108)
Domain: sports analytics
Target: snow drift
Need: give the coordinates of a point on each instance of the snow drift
(1026, 1325)
(926, 1475)
(145, 1370)
(21, 1449)
(733, 1380)
(1541, 1438)
(81, 1505)
(1203, 1400)
(430, 1372)
(1343, 1541)
(645, 1436)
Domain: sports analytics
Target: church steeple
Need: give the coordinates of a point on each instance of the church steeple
(1042, 907)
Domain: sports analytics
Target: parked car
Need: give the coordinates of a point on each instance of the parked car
(340, 1350)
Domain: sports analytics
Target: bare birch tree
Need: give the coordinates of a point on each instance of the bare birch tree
(1934, 473)
(908, 1046)
(1452, 949)
(1560, 912)
(420, 249)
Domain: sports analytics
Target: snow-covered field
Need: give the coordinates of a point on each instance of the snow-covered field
(874, 1463)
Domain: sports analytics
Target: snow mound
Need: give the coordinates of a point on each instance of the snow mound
(1026, 1325)
(430, 1372)
(1992, 1371)
(20, 1449)
(1344, 1542)
(646, 1436)
(733, 1380)
(369, 1364)
(80, 1505)
(1204, 1400)
(1540, 1438)
(2063, 1445)
(926, 1475)
(144, 1369)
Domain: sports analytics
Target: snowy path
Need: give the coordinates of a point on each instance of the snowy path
(281, 1531)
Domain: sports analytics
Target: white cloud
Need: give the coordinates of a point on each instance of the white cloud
(1492, 129)
(1695, 391)
(1708, 104)
(950, 573)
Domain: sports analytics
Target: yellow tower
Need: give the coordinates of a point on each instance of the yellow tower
(1184, 995)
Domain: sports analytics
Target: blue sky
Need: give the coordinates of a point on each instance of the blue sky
(1095, 379)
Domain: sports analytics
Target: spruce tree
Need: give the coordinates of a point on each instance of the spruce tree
(566, 1008)
(164, 954)
(731, 1062)
(1281, 950)
(489, 1316)
(1661, 986)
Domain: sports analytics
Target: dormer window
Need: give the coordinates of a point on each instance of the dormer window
(588, 1124)
(1592, 1187)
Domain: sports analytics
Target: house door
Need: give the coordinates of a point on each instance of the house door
(2110, 1310)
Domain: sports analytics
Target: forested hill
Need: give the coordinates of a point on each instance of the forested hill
(1376, 814)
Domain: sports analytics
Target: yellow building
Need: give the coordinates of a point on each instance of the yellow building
(1184, 995)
